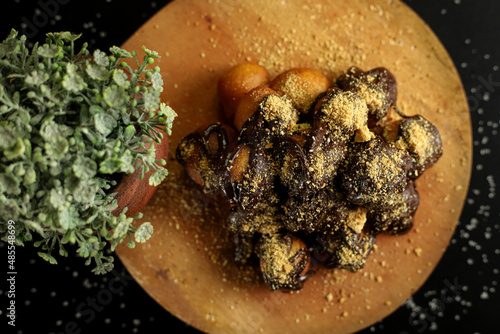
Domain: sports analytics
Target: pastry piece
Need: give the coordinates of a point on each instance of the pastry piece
(201, 153)
(285, 261)
(377, 87)
(347, 250)
(394, 214)
(374, 170)
(325, 151)
(343, 112)
(301, 86)
(237, 82)
(249, 104)
(421, 140)
(248, 172)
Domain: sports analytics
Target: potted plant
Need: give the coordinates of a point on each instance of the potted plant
(72, 124)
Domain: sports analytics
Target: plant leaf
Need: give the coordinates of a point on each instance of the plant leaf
(110, 166)
(121, 79)
(47, 257)
(57, 199)
(122, 228)
(84, 168)
(104, 123)
(36, 78)
(73, 82)
(100, 58)
(114, 96)
(144, 232)
(97, 72)
(49, 51)
(157, 81)
(158, 176)
(151, 101)
(89, 248)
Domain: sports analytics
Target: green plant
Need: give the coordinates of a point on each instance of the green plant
(70, 123)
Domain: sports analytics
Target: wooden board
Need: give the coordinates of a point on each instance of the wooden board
(187, 266)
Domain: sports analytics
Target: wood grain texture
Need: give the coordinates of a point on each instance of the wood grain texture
(187, 266)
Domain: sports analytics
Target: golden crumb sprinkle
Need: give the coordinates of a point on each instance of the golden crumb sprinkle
(357, 218)
(344, 111)
(280, 108)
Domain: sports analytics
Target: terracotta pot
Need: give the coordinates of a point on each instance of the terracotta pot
(134, 193)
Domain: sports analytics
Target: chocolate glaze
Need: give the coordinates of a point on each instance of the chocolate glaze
(201, 154)
(290, 162)
(291, 259)
(431, 136)
(346, 249)
(394, 214)
(374, 170)
(256, 179)
(324, 152)
(380, 81)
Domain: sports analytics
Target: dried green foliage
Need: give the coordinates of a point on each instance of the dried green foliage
(70, 122)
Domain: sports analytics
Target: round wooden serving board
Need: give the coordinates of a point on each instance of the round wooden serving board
(188, 266)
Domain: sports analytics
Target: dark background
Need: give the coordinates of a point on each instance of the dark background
(49, 298)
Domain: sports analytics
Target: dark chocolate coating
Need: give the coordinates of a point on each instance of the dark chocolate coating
(201, 155)
(264, 125)
(277, 247)
(324, 153)
(377, 86)
(257, 178)
(290, 163)
(246, 222)
(345, 103)
(374, 170)
(315, 212)
(422, 141)
(394, 214)
(346, 249)
(244, 247)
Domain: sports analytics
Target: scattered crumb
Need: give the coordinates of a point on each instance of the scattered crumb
(418, 251)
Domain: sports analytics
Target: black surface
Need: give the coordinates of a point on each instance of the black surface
(460, 296)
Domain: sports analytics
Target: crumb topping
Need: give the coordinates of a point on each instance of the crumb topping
(343, 112)
(279, 108)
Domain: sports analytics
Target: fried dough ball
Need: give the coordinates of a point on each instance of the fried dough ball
(275, 116)
(248, 173)
(238, 81)
(319, 211)
(284, 261)
(377, 87)
(325, 152)
(395, 214)
(421, 139)
(301, 85)
(373, 171)
(201, 155)
(244, 247)
(249, 104)
(347, 249)
(262, 219)
(343, 113)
